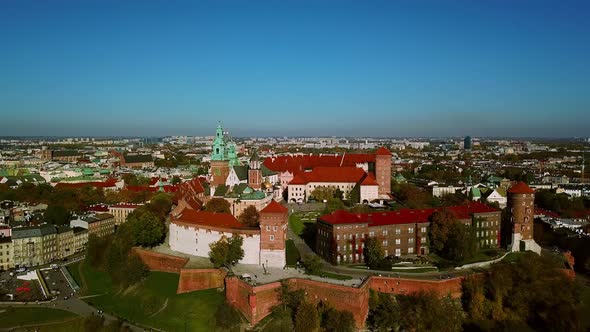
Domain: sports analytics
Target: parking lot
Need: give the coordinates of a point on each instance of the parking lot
(56, 283)
(13, 289)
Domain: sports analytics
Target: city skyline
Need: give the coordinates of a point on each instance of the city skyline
(376, 69)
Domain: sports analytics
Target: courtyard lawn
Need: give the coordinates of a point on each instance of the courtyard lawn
(14, 317)
(74, 270)
(154, 302)
(298, 220)
(292, 253)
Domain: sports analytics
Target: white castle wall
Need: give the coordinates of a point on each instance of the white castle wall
(196, 241)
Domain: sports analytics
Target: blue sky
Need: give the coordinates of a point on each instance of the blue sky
(355, 68)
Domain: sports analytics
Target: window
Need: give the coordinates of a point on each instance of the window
(338, 248)
(398, 241)
(398, 231)
(423, 240)
(423, 229)
(384, 233)
(411, 240)
(272, 237)
(410, 250)
(411, 230)
(398, 252)
(274, 228)
(268, 228)
(371, 234)
(337, 237)
(385, 242)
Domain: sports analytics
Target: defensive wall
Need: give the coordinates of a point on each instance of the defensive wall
(256, 302)
(156, 261)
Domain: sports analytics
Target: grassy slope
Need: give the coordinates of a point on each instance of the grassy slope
(34, 315)
(292, 253)
(141, 303)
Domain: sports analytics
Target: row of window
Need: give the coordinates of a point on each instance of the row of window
(487, 233)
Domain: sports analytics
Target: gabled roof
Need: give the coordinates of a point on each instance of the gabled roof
(521, 188)
(266, 172)
(274, 207)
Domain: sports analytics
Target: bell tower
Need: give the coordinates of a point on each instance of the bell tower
(254, 172)
(219, 160)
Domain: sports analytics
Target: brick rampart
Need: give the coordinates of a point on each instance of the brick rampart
(407, 286)
(193, 280)
(160, 262)
(256, 302)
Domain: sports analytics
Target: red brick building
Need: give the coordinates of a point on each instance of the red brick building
(341, 235)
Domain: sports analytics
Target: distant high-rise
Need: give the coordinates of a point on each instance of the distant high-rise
(467, 143)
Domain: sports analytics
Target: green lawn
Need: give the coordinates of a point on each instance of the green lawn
(292, 253)
(298, 220)
(75, 272)
(145, 303)
(14, 317)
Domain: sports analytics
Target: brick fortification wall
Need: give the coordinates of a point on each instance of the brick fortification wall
(160, 262)
(408, 286)
(193, 280)
(256, 302)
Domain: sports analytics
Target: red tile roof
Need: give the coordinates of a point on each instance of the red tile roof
(403, 216)
(521, 188)
(369, 181)
(274, 207)
(382, 151)
(300, 163)
(212, 219)
(330, 174)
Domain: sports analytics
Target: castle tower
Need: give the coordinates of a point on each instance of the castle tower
(383, 170)
(273, 234)
(254, 172)
(521, 211)
(219, 160)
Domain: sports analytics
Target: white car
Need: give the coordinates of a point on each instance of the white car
(54, 266)
(21, 269)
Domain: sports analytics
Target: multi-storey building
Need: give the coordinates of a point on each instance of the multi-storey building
(6, 256)
(100, 224)
(80, 239)
(34, 245)
(121, 211)
(341, 235)
(65, 241)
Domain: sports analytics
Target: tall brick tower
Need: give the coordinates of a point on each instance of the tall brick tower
(521, 211)
(254, 172)
(273, 234)
(383, 170)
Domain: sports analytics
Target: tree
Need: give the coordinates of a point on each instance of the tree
(323, 193)
(427, 311)
(373, 252)
(383, 312)
(312, 264)
(440, 226)
(146, 228)
(175, 180)
(56, 214)
(219, 205)
(290, 299)
(332, 205)
(250, 216)
(333, 320)
(226, 252)
(307, 318)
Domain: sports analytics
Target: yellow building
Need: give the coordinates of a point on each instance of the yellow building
(6, 257)
(34, 245)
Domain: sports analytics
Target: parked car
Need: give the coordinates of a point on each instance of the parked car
(54, 266)
(21, 269)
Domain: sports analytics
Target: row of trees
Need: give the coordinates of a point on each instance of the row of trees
(534, 294)
(144, 227)
(562, 203)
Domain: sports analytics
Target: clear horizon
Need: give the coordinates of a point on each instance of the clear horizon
(327, 68)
